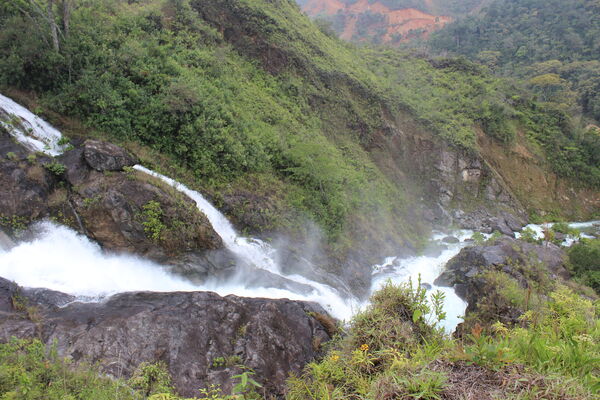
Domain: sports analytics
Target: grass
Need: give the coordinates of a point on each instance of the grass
(553, 353)
(391, 350)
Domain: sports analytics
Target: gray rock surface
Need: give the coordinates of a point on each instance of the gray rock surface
(201, 336)
(472, 261)
(104, 156)
(108, 206)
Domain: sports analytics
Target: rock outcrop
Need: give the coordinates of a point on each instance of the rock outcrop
(520, 261)
(91, 190)
(103, 156)
(201, 336)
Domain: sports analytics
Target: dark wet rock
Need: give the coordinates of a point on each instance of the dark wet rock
(77, 169)
(513, 222)
(451, 240)
(472, 261)
(25, 190)
(104, 156)
(426, 286)
(114, 211)
(500, 225)
(488, 221)
(520, 261)
(47, 297)
(200, 266)
(201, 336)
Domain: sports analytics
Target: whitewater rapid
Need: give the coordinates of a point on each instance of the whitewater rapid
(29, 129)
(58, 258)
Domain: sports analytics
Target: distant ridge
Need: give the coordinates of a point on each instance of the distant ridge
(364, 20)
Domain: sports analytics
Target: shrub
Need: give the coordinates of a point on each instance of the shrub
(152, 214)
(530, 236)
(584, 258)
(56, 168)
(384, 350)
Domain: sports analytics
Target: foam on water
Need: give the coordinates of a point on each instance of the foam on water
(427, 268)
(29, 129)
(538, 229)
(60, 259)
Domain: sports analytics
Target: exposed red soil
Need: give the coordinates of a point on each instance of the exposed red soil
(408, 22)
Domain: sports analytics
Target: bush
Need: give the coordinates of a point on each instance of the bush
(384, 350)
(584, 258)
(56, 168)
(29, 371)
(152, 215)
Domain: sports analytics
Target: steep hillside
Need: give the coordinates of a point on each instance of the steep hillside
(553, 45)
(287, 128)
(368, 21)
(387, 21)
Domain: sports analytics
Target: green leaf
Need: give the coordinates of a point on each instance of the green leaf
(416, 315)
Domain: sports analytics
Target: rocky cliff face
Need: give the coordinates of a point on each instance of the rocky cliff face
(457, 186)
(202, 337)
(92, 189)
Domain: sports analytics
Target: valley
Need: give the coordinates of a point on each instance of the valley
(257, 200)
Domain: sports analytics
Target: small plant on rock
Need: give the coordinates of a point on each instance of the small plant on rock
(153, 225)
(56, 168)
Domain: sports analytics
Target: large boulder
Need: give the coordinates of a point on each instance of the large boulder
(519, 262)
(123, 210)
(25, 185)
(104, 156)
(201, 336)
(472, 261)
(136, 213)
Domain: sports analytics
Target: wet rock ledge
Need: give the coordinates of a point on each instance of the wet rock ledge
(201, 336)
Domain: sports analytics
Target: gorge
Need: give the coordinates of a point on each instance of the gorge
(222, 200)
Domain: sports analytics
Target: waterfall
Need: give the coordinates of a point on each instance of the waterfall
(258, 253)
(585, 231)
(58, 258)
(29, 129)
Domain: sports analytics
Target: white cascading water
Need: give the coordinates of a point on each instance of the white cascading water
(582, 227)
(61, 259)
(29, 129)
(58, 258)
(427, 268)
(259, 254)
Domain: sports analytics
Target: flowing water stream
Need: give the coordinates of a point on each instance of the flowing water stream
(58, 258)
(29, 129)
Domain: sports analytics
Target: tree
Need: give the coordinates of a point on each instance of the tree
(51, 17)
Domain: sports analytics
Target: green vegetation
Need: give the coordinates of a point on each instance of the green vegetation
(389, 354)
(31, 371)
(153, 225)
(56, 168)
(157, 73)
(552, 44)
(253, 91)
(585, 262)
